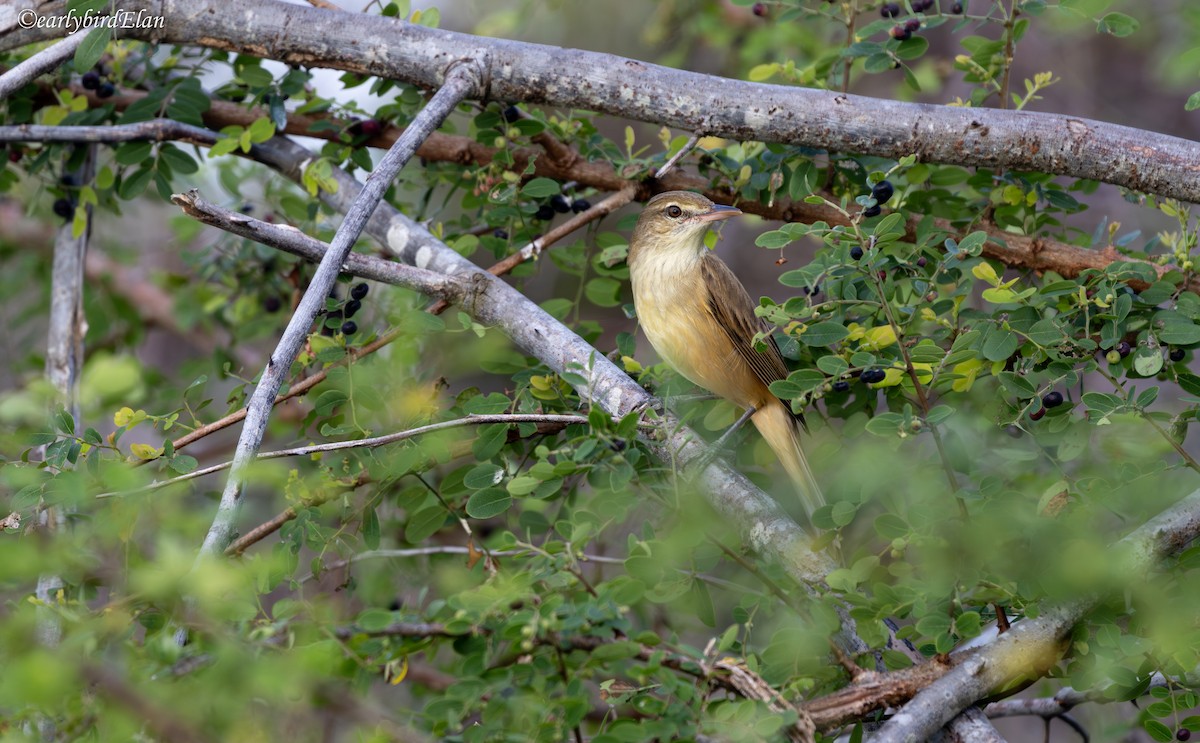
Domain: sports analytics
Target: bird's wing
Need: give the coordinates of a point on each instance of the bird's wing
(736, 317)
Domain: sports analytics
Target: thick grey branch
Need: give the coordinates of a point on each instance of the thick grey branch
(766, 528)
(571, 78)
(459, 81)
(291, 240)
(1035, 645)
(44, 61)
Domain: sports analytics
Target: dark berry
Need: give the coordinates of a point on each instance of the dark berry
(912, 25)
(856, 252)
(511, 114)
(890, 10)
(956, 8)
(580, 205)
(1183, 734)
(359, 291)
(106, 90)
(14, 156)
(1124, 349)
(921, 6)
(882, 191)
(90, 80)
(352, 307)
(841, 386)
(873, 375)
(64, 208)
(1176, 354)
(500, 234)
(247, 209)
(372, 127)
(921, 262)
(356, 127)
(349, 327)
(900, 33)
(874, 211)
(1052, 399)
(1037, 414)
(760, 10)
(545, 213)
(272, 304)
(560, 203)
(68, 180)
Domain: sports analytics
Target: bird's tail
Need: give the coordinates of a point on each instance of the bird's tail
(781, 429)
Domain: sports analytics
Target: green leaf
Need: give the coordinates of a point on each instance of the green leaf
(1046, 333)
(761, 72)
(370, 529)
(489, 440)
(92, 48)
(967, 624)
(973, 243)
(1193, 102)
(890, 227)
(180, 161)
(424, 523)
(483, 476)
(1117, 24)
(1101, 402)
(773, 239)
(183, 464)
(1147, 361)
(890, 526)
(612, 651)
(824, 334)
(934, 624)
(487, 503)
(885, 424)
(540, 188)
(1158, 731)
(1017, 385)
(834, 366)
(1189, 382)
(999, 344)
(927, 352)
(1180, 333)
(132, 186)
(603, 291)
(523, 485)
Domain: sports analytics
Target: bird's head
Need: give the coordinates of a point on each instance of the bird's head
(677, 220)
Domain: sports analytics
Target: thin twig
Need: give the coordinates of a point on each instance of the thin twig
(367, 443)
(607, 206)
(683, 151)
(460, 80)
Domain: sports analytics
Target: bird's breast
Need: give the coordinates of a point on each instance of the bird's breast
(673, 310)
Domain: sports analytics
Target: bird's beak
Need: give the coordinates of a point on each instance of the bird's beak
(717, 212)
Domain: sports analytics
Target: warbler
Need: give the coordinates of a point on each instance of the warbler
(701, 321)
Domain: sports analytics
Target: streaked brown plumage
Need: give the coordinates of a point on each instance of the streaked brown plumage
(700, 319)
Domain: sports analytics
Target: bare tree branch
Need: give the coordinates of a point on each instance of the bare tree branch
(459, 81)
(64, 364)
(1035, 253)
(571, 78)
(1034, 646)
(367, 443)
(492, 302)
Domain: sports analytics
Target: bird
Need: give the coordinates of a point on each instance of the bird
(699, 318)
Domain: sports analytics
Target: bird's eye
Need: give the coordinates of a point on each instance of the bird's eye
(674, 212)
